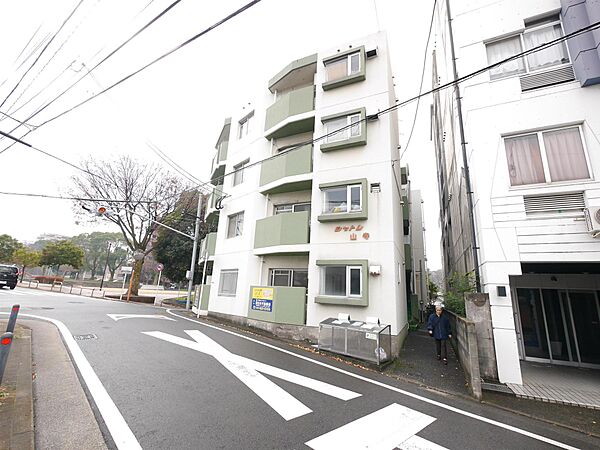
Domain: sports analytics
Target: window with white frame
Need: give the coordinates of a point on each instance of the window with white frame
(288, 277)
(534, 35)
(244, 125)
(331, 126)
(342, 67)
(228, 282)
(342, 199)
(238, 174)
(546, 156)
(291, 207)
(341, 281)
(235, 225)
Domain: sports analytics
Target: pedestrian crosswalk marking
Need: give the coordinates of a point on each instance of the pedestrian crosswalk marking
(247, 371)
(386, 429)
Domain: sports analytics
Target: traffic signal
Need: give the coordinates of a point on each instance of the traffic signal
(102, 211)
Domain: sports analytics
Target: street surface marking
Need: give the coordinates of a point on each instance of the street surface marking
(247, 371)
(389, 387)
(384, 429)
(418, 443)
(117, 317)
(118, 428)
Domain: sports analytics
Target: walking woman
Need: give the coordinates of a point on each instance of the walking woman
(439, 327)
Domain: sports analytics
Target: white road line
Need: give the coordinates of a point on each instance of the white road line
(117, 317)
(118, 428)
(391, 388)
(381, 430)
(418, 443)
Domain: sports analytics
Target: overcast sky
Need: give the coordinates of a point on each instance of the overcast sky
(180, 103)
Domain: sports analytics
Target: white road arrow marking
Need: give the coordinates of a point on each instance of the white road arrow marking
(117, 317)
(418, 443)
(384, 429)
(247, 371)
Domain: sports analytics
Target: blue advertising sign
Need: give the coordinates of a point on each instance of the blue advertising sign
(259, 304)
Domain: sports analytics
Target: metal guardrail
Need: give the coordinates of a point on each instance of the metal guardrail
(7, 338)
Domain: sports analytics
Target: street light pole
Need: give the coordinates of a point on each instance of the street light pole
(194, 252)
(105, 264)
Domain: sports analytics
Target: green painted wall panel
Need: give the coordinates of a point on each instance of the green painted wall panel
(204, 298)
(294, 65)
(291, 103)
(288, 306)
(211, 239)
(282, 229)
(294, 162)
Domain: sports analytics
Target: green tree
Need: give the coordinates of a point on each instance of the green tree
(459, 284)
(26, 257)
(432, 289)
(8, 245)
(95, 248)
(119, 254)
(56, 254)
(172, 249)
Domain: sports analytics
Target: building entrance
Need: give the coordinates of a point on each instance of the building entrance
(559, 326)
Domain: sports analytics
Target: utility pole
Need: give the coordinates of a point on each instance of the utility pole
(105, 264)
(194, 252)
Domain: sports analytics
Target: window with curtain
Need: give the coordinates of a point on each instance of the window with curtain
(342, 199)
(238, 175)
(343, 67)
(228, 282)
(244, 125)
(331, 126)
(536, 34)
(341, 281)
(235, 225)
(546, 157)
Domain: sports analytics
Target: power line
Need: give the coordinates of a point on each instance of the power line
(83, 199)
(42, 52)
(414, 121)
(370, 117)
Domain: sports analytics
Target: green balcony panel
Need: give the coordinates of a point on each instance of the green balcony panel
(217, 175)
(294, 162)
(407, 257)
(204, 298)
(405, 208)
(277, 304)
(282, 229)
(291, 104)
(222, 151)
(209, 243)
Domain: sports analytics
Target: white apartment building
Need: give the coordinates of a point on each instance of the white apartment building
(317, 228)
(532, 144)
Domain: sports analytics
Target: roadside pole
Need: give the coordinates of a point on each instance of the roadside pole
(203, 281)
(105, 264)
(124, 279)
(194, 252)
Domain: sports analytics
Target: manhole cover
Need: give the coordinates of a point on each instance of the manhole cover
(84, 337)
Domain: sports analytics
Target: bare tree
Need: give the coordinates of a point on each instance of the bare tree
(136, 196)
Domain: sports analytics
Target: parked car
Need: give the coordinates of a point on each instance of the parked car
(8, 276)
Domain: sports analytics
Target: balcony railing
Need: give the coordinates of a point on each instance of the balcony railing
(281, 117)
(281, 174)
(208, 244)
(281, 233)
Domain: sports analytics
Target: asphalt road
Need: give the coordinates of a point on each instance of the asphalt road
(183, 384)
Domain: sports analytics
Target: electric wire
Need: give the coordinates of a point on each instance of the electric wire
(28, 42)
(85, 199)
(42, 52)
(394, 107)
(414, 121)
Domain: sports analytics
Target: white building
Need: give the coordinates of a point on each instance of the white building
(319, 222)
(532, 144)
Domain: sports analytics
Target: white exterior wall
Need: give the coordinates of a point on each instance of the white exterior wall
(491, 110)
(417, 237)
(372, 161)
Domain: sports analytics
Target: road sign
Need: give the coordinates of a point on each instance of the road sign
(159, 267)
(126, 269)
(247, 371)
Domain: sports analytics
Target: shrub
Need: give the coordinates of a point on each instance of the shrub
(48, 279)
(459, 285)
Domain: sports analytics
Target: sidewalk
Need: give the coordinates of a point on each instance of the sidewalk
(16, 399)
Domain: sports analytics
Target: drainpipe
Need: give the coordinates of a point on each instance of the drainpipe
(463, 145)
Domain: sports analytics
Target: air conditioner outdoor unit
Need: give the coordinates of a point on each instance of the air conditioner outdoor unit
(592, 218)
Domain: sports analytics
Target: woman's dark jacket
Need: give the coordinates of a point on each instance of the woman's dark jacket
(440, 325)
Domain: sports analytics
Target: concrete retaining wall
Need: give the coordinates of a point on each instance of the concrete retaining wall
(478, 311)
(464, 342)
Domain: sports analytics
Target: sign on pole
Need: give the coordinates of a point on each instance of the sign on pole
(159, 267)
(126, 269)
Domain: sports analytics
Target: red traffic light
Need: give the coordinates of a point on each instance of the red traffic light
(6, 340)
(101, 210)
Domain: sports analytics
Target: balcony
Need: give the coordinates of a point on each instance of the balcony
(298, 72)
(208, 244)
(292, 113)
(216, 195)
(289, 172)
(282, 234)
(217, 176)
(286, 305)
